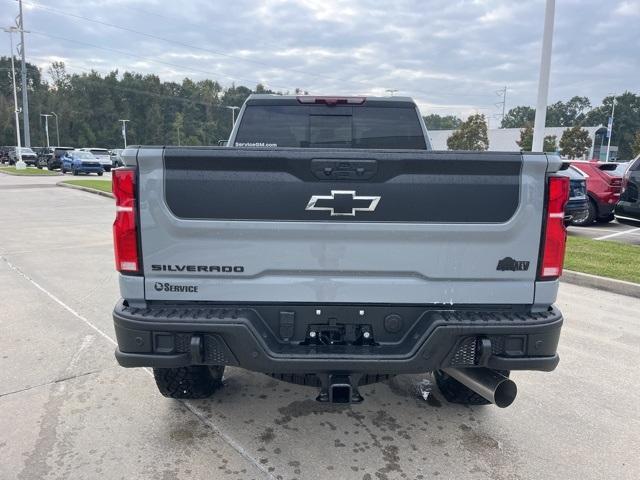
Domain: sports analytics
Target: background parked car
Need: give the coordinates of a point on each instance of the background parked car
(116, 158)
(4, 153)
(28, 156)
(102, 155)
(628, 208)
(603, 189)
(78, 161)
(577, 208)
(50, 157)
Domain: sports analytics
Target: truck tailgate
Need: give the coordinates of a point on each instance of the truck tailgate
(347, 226)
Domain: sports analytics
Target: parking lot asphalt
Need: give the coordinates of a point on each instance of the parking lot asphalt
(68, 411)
(613, 231)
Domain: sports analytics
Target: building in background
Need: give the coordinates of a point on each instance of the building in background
(505, 140)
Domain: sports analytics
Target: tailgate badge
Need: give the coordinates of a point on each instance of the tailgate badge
(511, 265)
(343, 203)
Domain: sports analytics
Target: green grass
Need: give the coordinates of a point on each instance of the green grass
(102, 185)
(29, 171)
(607, 259)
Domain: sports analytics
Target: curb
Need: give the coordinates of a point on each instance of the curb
(85, 189)
(621, 287)
(13, 174)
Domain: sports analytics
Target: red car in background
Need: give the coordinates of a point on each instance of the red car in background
(604, 182)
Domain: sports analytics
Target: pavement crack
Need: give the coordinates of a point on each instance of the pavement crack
(52, 382)
(230, 441)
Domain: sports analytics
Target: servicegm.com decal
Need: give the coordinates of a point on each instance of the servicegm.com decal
(167, 287)
(255, 144)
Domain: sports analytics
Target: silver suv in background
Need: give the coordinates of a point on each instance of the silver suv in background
(103, 156)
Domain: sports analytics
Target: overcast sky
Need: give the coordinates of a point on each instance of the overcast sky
(450, 55)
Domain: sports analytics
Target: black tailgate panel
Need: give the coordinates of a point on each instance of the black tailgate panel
(279, 184)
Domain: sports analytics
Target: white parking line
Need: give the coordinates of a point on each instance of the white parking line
(235, 445)
(57, 300)
(631, 230)
(591, 229)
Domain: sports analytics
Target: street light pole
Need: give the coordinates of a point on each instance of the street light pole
(233, 115)
(46, 125)
(124, 131)
(57, 129)
(20, 165)
(25, 100)
(543, 82)
(610, 128)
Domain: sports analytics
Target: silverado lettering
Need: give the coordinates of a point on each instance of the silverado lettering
(198, 268)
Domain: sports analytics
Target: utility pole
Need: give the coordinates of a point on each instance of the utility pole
(610, 127)
(124, 131)
(543, 81)
(178, 127)
(25, 100)
(20, 165)
(233, 115)
(57, 129)
(502, 93)
(46, 125)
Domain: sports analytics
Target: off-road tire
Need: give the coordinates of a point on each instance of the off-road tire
(310, 379)
(455, 392)
(196, 381)
(590, 218)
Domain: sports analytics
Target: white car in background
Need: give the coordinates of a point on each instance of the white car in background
(103, 156)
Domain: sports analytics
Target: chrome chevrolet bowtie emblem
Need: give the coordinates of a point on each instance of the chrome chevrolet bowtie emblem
(343, 203)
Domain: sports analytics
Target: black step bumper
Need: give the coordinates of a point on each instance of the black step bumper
(253, 338)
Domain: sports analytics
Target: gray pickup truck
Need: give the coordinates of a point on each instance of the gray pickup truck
(327, 245)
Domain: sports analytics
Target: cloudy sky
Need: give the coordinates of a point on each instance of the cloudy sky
(452, 56)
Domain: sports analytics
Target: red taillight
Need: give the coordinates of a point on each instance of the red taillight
(615, 184)
(125, 235)
(625, 181)
(333, 100)
(555, 234)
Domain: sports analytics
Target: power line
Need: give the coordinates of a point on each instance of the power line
(177, 98)
(196, 47)
(502, 92)
(161, 62)
(169, 40)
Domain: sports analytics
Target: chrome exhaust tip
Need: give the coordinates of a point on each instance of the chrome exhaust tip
(490, 384)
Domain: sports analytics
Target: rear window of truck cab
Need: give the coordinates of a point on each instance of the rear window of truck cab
(325, 126)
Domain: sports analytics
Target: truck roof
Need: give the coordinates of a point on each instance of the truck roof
(289, 98)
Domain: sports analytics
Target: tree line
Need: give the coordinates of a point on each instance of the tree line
(576, 113)
(90, 105)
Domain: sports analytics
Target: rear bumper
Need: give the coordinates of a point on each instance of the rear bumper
(576, 208)
(629, 211)
(174, 336)
(606, 204)
(83, 169)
